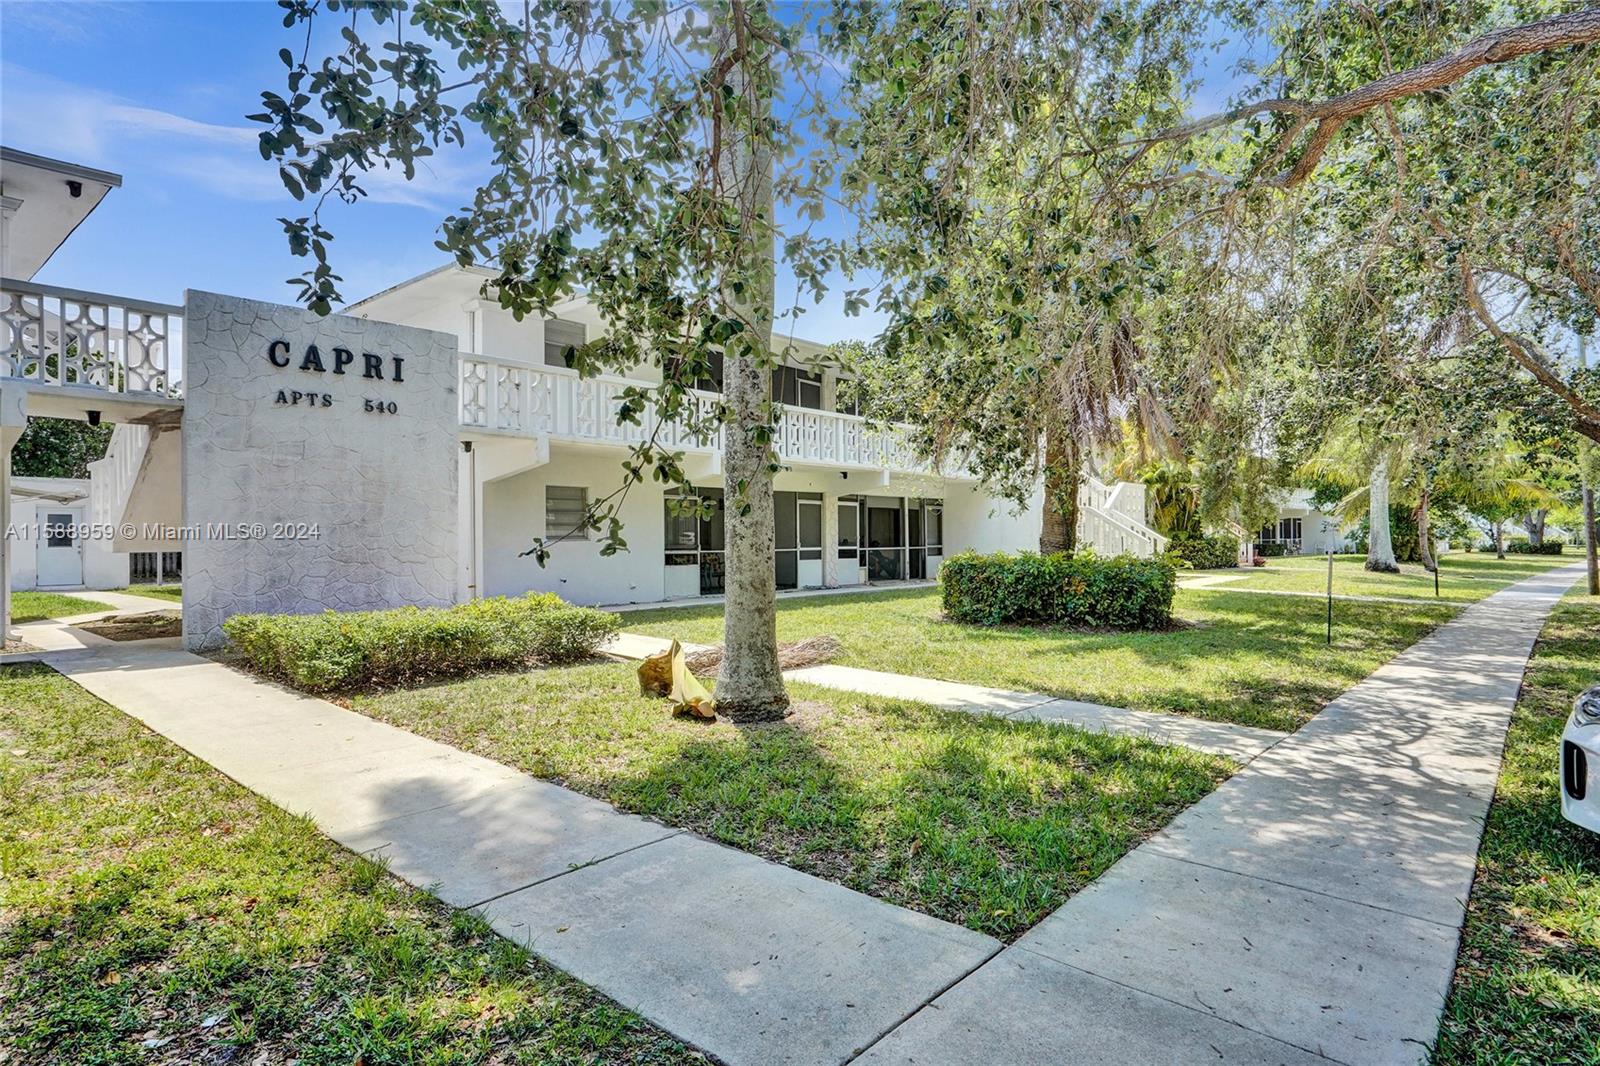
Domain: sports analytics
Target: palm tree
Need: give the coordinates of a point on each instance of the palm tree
(1500, 488)
(1365, 464)
(1174, 498)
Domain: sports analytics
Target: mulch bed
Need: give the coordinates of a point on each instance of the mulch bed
(145, 626)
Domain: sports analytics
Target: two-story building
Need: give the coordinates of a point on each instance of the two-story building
(855, 505)
(410, 448)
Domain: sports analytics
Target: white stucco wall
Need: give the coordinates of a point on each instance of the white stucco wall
(975, 519)
(379, 488)
(102, 567)
(514, 513)
(1320, 533)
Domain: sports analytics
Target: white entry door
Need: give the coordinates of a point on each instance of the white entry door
(60, 547)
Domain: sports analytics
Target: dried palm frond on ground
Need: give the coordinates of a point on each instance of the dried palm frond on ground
(136, 626)
(791, 656)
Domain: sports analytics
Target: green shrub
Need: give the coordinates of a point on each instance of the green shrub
(1210, 552)
(1123, 592)
(335, 650)
(1526, 547)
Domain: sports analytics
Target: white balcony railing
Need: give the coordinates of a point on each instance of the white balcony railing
(509, 396)
(55, 336)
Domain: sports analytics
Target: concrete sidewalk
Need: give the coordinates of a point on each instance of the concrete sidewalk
(1338, 597)
(1308, 910)
(751, 961)
(1239, 742)
(122, 602)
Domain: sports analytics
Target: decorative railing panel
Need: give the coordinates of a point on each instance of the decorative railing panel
(55, 336)
(509, 396)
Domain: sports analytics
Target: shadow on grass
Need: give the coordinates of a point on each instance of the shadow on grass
(978, 821)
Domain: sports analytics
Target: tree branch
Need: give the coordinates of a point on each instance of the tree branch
(1586, 279)
(1529, 357)
(1497, 46)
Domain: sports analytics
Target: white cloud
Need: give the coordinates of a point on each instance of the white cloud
(64, 22)
(149, 122)
(57, 118)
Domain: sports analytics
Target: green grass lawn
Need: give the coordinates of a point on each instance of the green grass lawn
(36, 606)
(1527, 984)
(1464, 577)
(1255, 660)
(158, 592)
(979, 821)
(151, 910)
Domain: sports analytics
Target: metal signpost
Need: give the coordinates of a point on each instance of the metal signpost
(1330, 595)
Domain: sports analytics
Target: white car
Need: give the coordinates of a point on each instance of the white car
(1580, 762)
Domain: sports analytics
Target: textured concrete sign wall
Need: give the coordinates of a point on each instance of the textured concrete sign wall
(319, 463)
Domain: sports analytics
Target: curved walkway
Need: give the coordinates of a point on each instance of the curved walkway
(1307, 910)
(1239, 742)
(749, 960)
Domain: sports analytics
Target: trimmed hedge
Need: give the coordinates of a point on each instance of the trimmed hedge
(1123, 592)
(341, 650)
(1271, 549)
(1211, 552)
(1524, 547)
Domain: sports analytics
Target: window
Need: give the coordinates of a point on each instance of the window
(786, 522)
(58, 531)
(560, 337)
(711, 382)
(565, 508)
(797, 535)
(810, 513)
(683, 531)
(693, 540)
(810, 390)
(796, 387)
(683, 526)
(154, 568)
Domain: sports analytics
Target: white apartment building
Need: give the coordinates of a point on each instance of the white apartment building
(409, 449)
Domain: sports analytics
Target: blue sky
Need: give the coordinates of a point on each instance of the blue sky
(157, 92)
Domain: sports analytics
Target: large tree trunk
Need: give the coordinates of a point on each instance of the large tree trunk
(1499, 538)
(1533, 522)
(1424, 534)
(749, 682)
(1380, 544)
(1063, 470)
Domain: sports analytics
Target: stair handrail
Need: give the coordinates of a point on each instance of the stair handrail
(120, 465)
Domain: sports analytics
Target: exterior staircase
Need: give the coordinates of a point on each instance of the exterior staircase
(1111, 519)
(137, 487)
